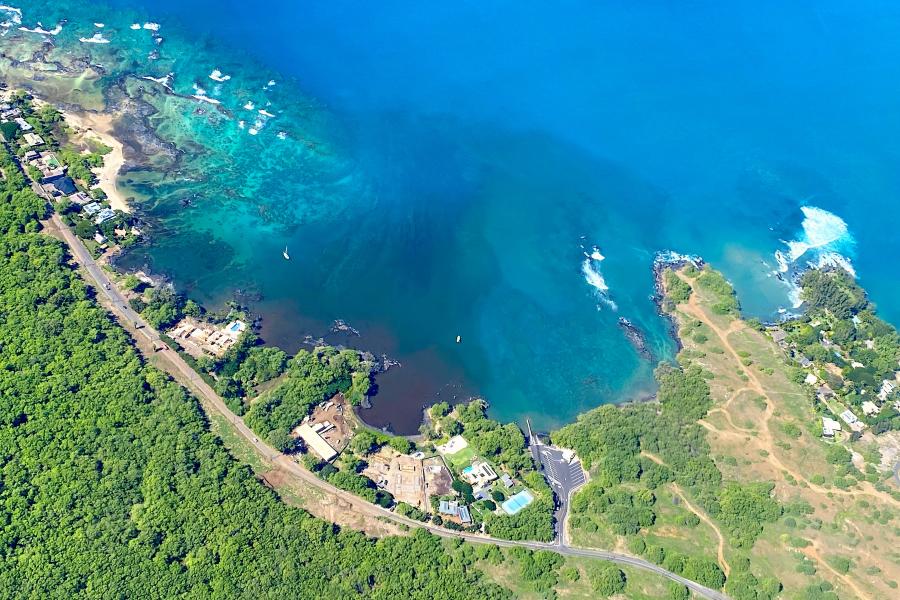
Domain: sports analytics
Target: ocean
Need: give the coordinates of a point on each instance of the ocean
(501, 172)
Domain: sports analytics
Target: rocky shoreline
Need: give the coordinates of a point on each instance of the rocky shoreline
(670, 260)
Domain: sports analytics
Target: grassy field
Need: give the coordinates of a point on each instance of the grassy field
(763, 427)
(460, 460)
(574, 582)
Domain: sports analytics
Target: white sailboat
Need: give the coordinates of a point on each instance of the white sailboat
(285, 254)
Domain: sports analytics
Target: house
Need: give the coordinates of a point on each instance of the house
(779, 336)
(33, 139)
(315, 442)
(479, 474)
(98, 237)
(92, 208)
(60, 185)
(448, 507)
(804, 362)
(852, 420)
(23, 124)
(455, 509)
(870, 408)
(507, 481)
(811, 379)
(482, 494)
(80, 198)
(31, 155)
(887, 388)
(848, 417)
(870, 344)
(830, 427)
(104, 215)
(824, 392)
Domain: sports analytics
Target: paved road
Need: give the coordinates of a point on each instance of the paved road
(211, 400)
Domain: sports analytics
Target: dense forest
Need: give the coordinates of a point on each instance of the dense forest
(112, 485)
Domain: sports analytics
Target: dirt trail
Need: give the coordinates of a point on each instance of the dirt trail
(693, 308)
(813, 553)
(720, 551)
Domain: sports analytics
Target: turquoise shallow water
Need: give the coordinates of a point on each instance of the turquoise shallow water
(446, 166)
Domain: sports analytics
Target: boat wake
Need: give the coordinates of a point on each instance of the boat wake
(824, 240)
(590, 268)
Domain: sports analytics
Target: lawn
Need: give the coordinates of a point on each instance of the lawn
(461, 459)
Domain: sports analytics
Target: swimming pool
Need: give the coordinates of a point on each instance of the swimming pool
(517, 502)
(468, 470)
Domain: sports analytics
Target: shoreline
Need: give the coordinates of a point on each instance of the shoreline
(100, 126)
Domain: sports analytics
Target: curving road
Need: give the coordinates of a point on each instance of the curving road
(211, 400)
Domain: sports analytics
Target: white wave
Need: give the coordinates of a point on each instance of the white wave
(135, 26)
(590, 268)
(253, 131)
(270, 84)
(14, 14)
(166, 81)
(249, 106)
(198, 90)
(823, 240)
(782, 261)
(203, 98)
(150, 26)
(99, 25)
(265, 113)
(833, 259)
(242, 124)
(40, 29)
(217, 75)
(97, 38)
(282, 135)
(820, 229)
(593, 277)
(670, 256)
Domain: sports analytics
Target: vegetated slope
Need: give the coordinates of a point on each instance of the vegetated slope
(111, 483)
(737, 434)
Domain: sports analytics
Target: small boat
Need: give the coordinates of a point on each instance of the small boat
(285, 254)
(458, 339)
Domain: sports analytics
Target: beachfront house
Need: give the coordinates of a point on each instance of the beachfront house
(92, 209)
(80, 198)
(60, 185)
(32, 139)
(104, 215)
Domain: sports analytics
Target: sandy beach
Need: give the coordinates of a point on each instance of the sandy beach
(100, 127)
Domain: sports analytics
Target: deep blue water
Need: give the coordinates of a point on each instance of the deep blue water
(483, 147)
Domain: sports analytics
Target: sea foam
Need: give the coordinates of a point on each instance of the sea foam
(40, 29)
(590, 268)
(97, 38)
(217, 75)
(824, 240)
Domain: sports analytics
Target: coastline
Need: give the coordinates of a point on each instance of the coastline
(100, 126)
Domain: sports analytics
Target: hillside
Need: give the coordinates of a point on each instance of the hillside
(730, 468)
